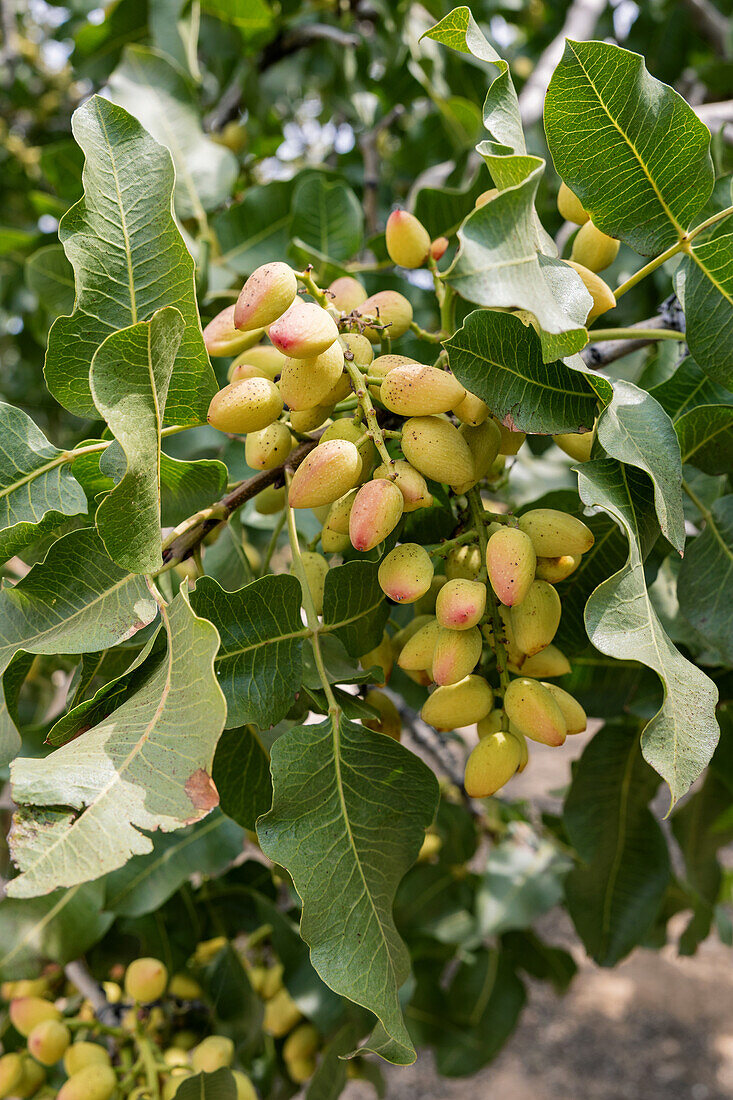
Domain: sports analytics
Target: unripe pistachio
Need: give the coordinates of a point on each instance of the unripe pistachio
(304, 331)
(463, 563)
(486, 196)
(514, 653)
(436, 448)
(268, 448)
(460, 604)
(417, 390)
(184, 1040)
(24, 987)
(346, 293)
(390, 310)
(270, 500)
(426, 604)
(472, 410)
(411, 484)
(429, 848)
(361, 350)
(523, 747)
(11, 1074)
(405, 573)
(601, 293)
(510, 563)
(339, 512)
(302, 1042)
(245, 1088)
(483, 442)
(536, 619)
(549, 662)
(316, 570)
(95, 1082)
(555, 570)
(261, 361)
(574, 715)
(382, 656)
(333, 542)
(534, 712)
(416, 654)
(213, 1053)
(407, 239)
(459, 704)
(174, 1056)
(509, 441)
(576, 444)
(267, 293)
(341, 390)
(382, 365)
(81, 1054)
(34, 1075)
(456, 653)
(491, 723)
(325, 474)
(223, 338)
(594, 249)
(48, 1041)
(439, 247)
(345, 428)
(27, 1012)
(389, 721)
(491, 764)
(375, 513)
(271, 981)
(281, 1014)
(301, 1070)
(570, 206)
(555, 533)
(246, 406)
(172, 1085)
(146, 980)
(305, 383)
(307, 420)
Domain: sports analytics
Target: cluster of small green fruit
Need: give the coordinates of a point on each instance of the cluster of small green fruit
(382, 430)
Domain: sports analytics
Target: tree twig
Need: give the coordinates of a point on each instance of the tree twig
(670, 316)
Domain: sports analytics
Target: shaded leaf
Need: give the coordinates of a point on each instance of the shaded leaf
(327, 217)
(354, 607)
(143, 266)
(147, 766)
(539, 959)
(705, 284)
(520, 883)
(256, 230)
(242, 776)
(187, 487)
(51, 277)
(220, 1085)
(688, 388)
(705, 579)
(706, 438)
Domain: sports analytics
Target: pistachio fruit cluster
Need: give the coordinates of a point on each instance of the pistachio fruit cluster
(387, 434)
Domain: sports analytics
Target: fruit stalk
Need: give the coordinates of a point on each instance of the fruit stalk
(362, 394)
(478, 514)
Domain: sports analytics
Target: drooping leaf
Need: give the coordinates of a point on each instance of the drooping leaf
(327, 217)
(354, 607)
(633, 151)
(705, 579)
(706, 438)
(143, 266)
(151, 89)
(242, 776)
(256, 230)
(499, 359)
(614, 894)
(327, 779)
(259, 664)
(186, 487)
(75, 601)
(129, 380)
(147, 766)
(147, 881)
(621, 622)
(57, 928)
(35, 481)
(705, 283)
(51, 277)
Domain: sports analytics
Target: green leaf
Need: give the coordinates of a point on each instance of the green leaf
(237, 1007)
(51, 278)
(57, 928)
(539, 959)
(633, 151)
(635, 429)
(147, 881)
(499, 358)
(705, 579)
(442, 209)
(327, 217)
(354, 607)
(706, 438)
(257, 229)
(519, 884)
(621, 622)
(35, 481)
(499, 264)
(147, 766)
(151, 89)
(75, 601)
(330, 1078)
(468, 1021)
(129, 380)
(143, 267)
(220, 1085)
(187, 487)
(614, 894)
(687, 388)
(242, 776)
(253, 19)
(705, 284)
(328, 779)
(259, 665)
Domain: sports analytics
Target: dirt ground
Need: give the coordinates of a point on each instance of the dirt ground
(657, 1027)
